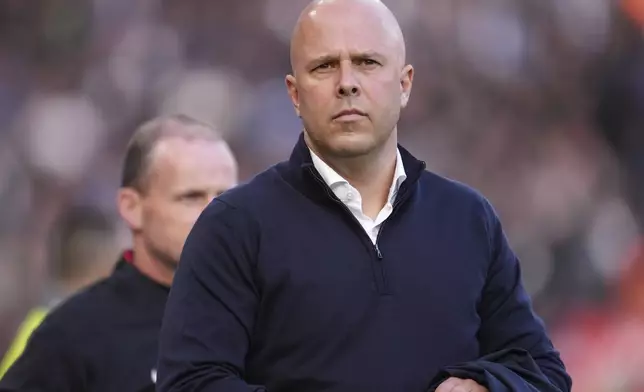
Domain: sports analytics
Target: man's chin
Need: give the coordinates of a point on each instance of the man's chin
(352, 146)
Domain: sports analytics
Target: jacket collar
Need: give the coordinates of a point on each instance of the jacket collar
(302, 168)
(126, 267)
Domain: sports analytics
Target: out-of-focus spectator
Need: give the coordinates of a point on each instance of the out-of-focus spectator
(603, 346)
(82, 249)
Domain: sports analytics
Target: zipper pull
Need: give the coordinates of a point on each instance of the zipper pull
(378, 252)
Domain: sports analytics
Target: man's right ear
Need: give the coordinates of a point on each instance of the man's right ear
(130, 208)
(291, 86)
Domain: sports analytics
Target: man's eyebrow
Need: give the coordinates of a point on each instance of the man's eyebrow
(370, 54)
(328, 58)
(190, 192)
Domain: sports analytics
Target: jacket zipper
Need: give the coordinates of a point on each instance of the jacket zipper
(380, 258)
(382, 286)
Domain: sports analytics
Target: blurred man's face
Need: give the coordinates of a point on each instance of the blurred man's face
(185, 175)
(348, 57)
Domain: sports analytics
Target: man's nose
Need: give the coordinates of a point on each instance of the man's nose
(348, 85)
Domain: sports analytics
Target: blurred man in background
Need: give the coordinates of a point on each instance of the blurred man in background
(105, 337)
(81, 251)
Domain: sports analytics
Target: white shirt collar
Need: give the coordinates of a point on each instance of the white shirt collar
(334, 180)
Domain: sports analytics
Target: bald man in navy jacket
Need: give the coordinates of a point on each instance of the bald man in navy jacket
(350, 267)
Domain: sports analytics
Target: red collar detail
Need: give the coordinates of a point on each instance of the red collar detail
(128, 256)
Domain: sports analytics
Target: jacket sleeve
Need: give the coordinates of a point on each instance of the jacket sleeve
(211, 308)
(508, 370)
(48, 363)
(507, 318)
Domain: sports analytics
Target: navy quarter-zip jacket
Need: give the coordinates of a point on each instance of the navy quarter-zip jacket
(279, 288)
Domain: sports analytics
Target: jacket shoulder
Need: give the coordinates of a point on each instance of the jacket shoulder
(256, 196)
(81, 310)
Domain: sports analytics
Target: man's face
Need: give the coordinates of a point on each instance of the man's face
(185, 175)
(344, 61)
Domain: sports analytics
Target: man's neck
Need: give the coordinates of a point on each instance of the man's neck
(148, 266)
(372, 175)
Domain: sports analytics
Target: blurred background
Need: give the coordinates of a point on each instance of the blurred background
(538, 104)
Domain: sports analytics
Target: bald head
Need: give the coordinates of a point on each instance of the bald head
(320, 16)
(147, 137)
(349, 80)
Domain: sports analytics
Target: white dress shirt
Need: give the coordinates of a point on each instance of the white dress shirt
(352, 198)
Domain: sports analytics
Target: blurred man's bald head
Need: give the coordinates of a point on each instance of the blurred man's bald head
(321, 15)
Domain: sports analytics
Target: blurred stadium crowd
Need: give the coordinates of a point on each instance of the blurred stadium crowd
(538, 104)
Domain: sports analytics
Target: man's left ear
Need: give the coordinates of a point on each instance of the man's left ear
(406, 81)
